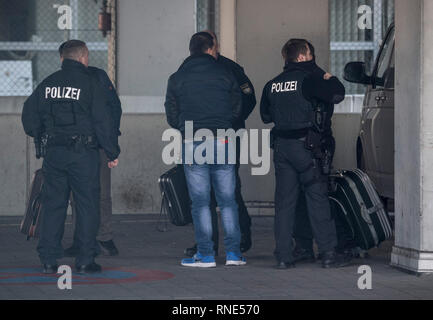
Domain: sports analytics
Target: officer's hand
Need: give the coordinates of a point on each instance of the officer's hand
(112, 164)
(327, 76)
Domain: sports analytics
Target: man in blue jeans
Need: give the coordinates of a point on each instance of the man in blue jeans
(206, 95)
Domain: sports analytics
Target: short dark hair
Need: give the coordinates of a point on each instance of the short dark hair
(212, 33)
(72, 49)
(294, 47)
(200, 43)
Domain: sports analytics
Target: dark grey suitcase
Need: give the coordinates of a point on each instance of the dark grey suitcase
(355, 200)
(175, 198)
(30, 223)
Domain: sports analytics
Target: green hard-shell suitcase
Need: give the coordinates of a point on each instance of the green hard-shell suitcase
(355, 200)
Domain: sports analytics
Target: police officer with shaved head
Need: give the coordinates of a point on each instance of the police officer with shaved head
(105, 233)
(291, 101)
(68, 111)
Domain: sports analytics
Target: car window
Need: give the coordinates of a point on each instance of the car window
(388, 76)
(385, 66)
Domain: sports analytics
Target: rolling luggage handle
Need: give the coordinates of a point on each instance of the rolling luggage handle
(365, 213)
(30, 223)
(162, 213)
(36, 207)
(373, 194)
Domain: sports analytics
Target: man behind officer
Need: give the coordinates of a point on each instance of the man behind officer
(248, 104)
(69, 109)
(302, 233)
(289, 102)
(105, 233)
(207, 94)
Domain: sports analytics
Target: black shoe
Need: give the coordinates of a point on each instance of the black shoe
(245, 242)
(108, 248)
(89, 268)
(328, 259)
(49, 268)
(303, 255)
(331, 259)
(345, 258)
(71, 251)
(190, 252)
(284, 265)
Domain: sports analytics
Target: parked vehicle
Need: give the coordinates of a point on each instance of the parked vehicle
(375, 145)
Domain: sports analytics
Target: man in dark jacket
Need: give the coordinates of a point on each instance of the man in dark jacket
(248, 104)
(288, 101)
(105, 233)
(206, 94)
(69, 109)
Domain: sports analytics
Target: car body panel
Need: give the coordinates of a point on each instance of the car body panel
(377, 122)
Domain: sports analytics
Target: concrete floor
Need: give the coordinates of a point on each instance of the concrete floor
(156, 256)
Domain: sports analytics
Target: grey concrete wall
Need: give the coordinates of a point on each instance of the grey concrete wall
(135, 188)
(13, 166)
(153, 38)
(262, 29)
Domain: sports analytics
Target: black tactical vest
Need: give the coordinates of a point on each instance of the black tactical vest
(288, 107)
(65, 101)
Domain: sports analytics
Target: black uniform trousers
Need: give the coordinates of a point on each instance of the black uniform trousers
(303, 233)
(296, 169)
(69, 169)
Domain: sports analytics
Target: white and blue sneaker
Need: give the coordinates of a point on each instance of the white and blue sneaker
(199, 261)
(233, 259)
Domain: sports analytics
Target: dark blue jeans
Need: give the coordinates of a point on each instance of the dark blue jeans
(222, 177)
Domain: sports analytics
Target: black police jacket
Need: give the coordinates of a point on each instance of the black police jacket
(247, 90)
(113, 101)
(71, 102)
(205, 92)
(288, 99)
(316, 71)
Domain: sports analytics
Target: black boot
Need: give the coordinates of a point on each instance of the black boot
(303, 255)
(89, 268)
(108, 248)
(190, 252)
(245, 242)
(49, 268)
(284, 265)
(330, 259)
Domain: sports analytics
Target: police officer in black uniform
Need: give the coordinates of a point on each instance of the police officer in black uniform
(290, 101)
(248, 104)
(303, 233)
(68, 110)
(105, 233)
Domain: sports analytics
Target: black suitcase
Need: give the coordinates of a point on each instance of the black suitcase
(30, 223)
(354, 200)
(175, 197)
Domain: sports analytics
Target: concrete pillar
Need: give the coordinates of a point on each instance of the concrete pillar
(228, 28)
(413, 248)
